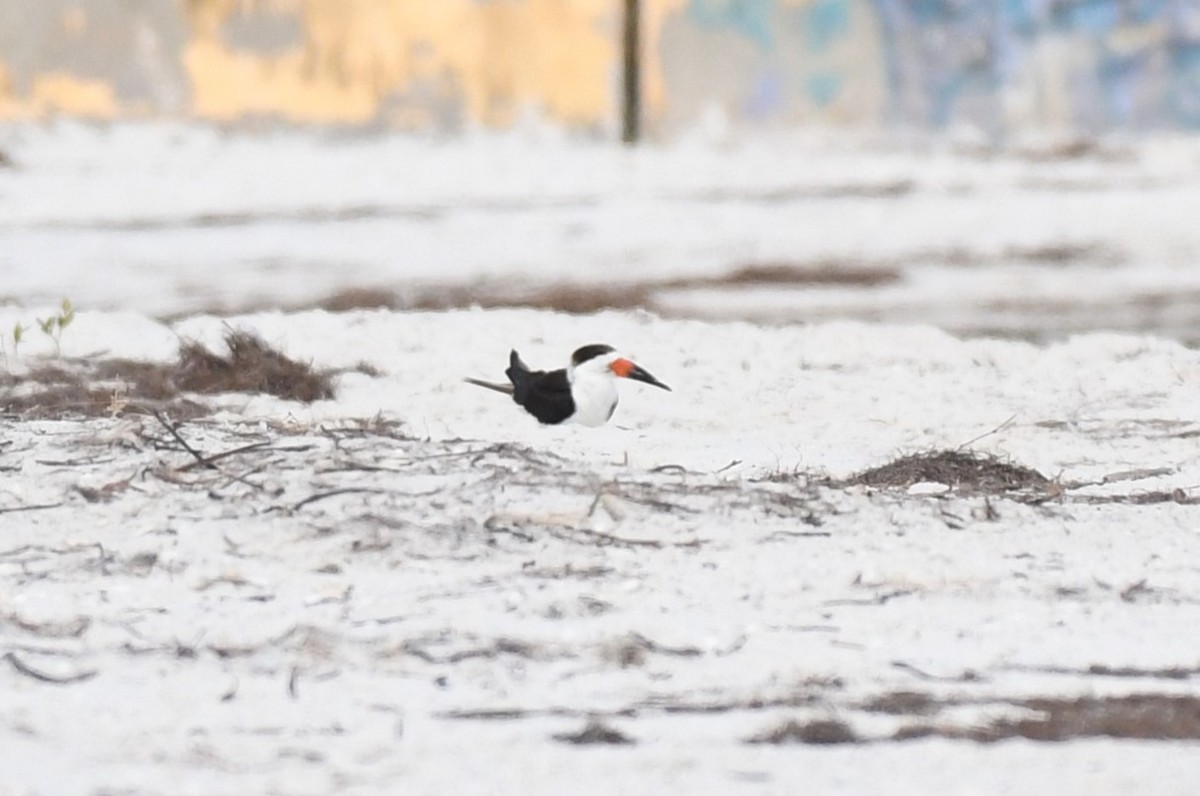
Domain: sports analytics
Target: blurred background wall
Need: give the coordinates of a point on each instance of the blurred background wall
(449, 65)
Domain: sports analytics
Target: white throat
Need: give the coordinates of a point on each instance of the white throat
(594, 390)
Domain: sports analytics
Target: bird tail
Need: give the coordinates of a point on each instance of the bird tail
(516, 374)
(517, 371)
(507, 389)
(515, 363)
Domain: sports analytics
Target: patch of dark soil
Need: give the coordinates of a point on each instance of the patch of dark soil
(1061, 253)
(146, 379)
(94, 389)
(1102, 670)
(903, 703)
(1141, 498)
(890, 189)
(1081, 148)
(818, 731)
(6, 162)
(963, 471)
(250, 366)
(914, 732)
(1141, 716)
(583, 299)
(576, 299)
(1155, 716)
(361, 298)
(822, 273)
(595, 733)
(1066, 149)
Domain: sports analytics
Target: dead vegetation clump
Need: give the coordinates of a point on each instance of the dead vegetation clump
(962, 471)
(251, 366)
(817, 731)
(595, 732)
(110, 387)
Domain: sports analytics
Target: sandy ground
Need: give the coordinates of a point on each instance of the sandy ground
(1041, 240)
(426, 599)
(414, 587)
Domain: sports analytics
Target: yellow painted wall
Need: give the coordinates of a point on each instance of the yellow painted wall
(53, 93)
(360, 61)
(395, 63)
(54, 90)
(494, 57)
(450, 64)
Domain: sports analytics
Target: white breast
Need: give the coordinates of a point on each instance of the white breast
(595, 397)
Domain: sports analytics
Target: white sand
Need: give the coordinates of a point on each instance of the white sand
(678, 573)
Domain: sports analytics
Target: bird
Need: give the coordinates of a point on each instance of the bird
(584, 392)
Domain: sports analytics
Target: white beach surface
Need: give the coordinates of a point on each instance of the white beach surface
(1049, 236)
(414, 587)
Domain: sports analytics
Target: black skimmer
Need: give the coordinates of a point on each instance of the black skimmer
(584, 392)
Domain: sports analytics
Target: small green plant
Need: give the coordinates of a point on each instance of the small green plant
(54, 326)
(18, 334)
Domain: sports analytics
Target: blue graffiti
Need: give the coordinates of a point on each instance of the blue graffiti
(766, 95)
(828, 20)
(1131, 63)
(819, 25)
(1183, 92)
(1113, 64)
(750, 18)
(824, 87)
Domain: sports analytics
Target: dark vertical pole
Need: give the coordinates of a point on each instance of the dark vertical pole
(631, 83)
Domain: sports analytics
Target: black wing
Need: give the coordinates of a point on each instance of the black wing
(545, 394)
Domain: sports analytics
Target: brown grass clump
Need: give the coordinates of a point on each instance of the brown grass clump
(963, 471)
(818, 731)
(251, 366)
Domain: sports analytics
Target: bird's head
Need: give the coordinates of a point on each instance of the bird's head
(603, 360)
